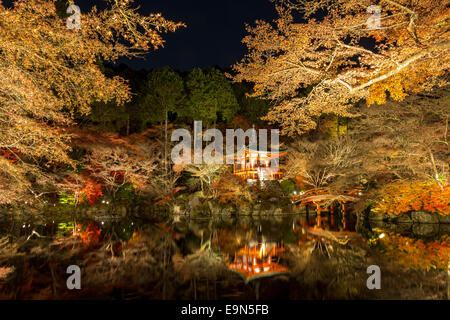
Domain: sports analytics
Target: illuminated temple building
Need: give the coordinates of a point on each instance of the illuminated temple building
(255, 165)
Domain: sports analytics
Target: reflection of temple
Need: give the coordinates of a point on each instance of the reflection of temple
(257, 260)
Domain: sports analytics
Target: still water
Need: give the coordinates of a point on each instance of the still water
(263, 257)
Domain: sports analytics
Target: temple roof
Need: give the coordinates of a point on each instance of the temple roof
(280, 152)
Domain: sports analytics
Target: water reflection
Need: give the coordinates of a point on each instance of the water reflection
(258, 259)
(292, 256)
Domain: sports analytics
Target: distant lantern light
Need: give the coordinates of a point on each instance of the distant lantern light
(381, 236)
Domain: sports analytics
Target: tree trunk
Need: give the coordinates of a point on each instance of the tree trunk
(165, 142)
(436, 174)
(337, 125)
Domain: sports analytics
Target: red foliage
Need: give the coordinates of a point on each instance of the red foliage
(92, 191)
(9, 155)
(167, 198)
(91, 235)
(119, 175)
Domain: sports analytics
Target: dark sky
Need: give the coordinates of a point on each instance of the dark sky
(213, 35)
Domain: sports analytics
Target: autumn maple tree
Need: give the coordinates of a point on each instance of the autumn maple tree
(401, 197)
(49, 72)
(321, 57)
(115, 166)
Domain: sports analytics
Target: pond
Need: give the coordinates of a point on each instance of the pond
(220, 257)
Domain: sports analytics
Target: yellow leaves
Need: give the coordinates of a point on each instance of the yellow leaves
(394, 85)
(290, 55)
(377, 95)
(409, 80)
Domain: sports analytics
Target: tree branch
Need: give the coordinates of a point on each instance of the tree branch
(400, 67)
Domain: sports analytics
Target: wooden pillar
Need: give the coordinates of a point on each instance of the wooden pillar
(245, 164)
(319, 218)
(330, 214)
(344, 217)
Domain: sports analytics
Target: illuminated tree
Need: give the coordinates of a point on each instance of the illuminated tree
(323, 162)
(48, 72)
(117, 166)
(406, 140)
(320, 57)
(206, 174)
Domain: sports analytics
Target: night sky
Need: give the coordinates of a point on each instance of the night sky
(213, 35)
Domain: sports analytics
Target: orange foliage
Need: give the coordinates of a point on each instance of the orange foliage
(300, 182)
(135, 238)
(416, 254)
(402, 197)
(91, 235)
(229, 188)
(9, 155)
(166, 198)
(92, 191)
